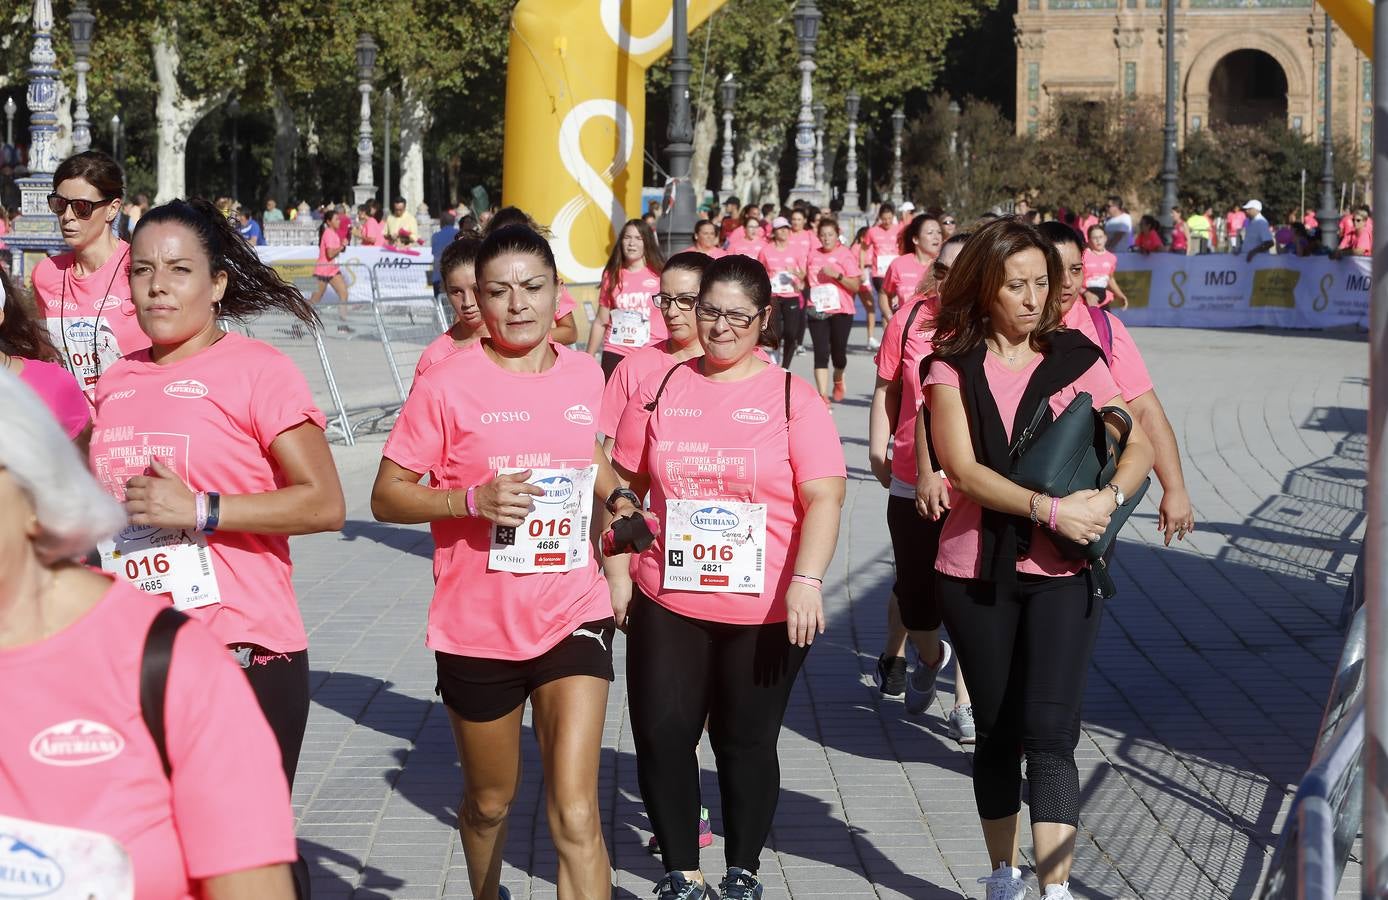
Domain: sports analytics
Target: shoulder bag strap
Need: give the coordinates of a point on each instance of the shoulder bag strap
(650, 407)
(154, 677)
(1104, 328)
(906, 332)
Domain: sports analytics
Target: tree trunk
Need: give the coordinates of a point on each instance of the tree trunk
(176, 116)
(705, 136)
(286, 143)
(415, 120)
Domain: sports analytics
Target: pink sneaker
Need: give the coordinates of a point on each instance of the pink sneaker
(705, 833)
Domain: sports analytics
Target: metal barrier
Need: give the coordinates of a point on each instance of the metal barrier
(1328, 809)
(407, 314)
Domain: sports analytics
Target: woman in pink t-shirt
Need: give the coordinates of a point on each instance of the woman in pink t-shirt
(920, 244)
(26, 351)
(862, 255)
(706, 240)
(506, 430)
(460, 286)
(88, 789)
(1023, 618)
(785, 266)
(215, 445)
(627, 318)
(84, 295)
(1100, 287)
(917, 503)
(834, 278)
(744, 469)
(327, 272)
(748, 240)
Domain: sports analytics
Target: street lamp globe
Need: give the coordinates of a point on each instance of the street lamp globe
(366, 57)
(728, 91)
(898, 119)
(234, 107)
(83, 23)
(806, 18)
(853, 103)
(820, 111)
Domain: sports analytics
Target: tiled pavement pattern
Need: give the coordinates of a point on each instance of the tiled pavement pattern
(1203, 699)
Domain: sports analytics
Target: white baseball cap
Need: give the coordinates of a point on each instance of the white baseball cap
(908, 206)
(1255, 205)
(780, 222)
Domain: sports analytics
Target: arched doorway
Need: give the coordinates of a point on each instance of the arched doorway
(1248, 87)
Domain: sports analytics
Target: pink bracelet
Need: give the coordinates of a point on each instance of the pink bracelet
(807, 580)
(1055, 505)
(472, 502)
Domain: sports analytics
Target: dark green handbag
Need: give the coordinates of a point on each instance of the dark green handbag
(1076, 452)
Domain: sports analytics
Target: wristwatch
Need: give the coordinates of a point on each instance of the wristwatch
(1117, 492)
(618, 494)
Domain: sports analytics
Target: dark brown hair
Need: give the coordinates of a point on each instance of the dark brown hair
(655, 260)
(20, 332)
(976, 276)
(750, 277)
(95, 168)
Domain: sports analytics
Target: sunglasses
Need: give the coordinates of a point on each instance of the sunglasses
(705, 313)
(946, 221)
(681, 301)
(82, 209)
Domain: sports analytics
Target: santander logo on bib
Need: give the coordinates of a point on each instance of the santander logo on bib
(80, 742)
(186, 388)
(750, 415)
(579, 414)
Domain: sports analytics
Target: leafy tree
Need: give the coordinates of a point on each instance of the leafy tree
(1227, 165)
(967, 163)
(1091, 149)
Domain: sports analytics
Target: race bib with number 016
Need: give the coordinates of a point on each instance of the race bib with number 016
(825, 298)
(554, 537)
(715, 546)
(88, 346)
(164, 561)
(630, 328)
(783, 283)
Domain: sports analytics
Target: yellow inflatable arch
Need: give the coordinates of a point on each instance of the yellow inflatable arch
(1356, 18)
(575, 116)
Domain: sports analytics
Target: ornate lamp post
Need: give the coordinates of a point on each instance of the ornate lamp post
(10, 110)
(1329, 214)
(387, 192)
(364, 189)
(37, 230)
(728, 90)
(820, 113)
(850, 188)
(83, 23)
(898, 122)
(1168, 166)
(677, 223)
(806, 18)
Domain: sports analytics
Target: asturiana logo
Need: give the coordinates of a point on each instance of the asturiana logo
(80, 742)
(25, 870)
(579, 415)
(750, 415)
(81, 330)
(137, 532)
(714, 518)
(557, 489)
(186, 388)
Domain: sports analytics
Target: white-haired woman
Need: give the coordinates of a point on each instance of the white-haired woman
(89, 790)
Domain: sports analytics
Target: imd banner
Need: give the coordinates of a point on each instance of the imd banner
(1220, 290)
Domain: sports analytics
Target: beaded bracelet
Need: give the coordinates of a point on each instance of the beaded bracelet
(1035, 503)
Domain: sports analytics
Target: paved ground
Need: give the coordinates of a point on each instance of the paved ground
(1203, 699)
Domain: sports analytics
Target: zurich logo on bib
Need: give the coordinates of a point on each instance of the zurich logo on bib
(25, 870)
(557, 489)
(714, 518)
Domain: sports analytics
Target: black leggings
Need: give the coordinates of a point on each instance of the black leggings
(280, 683)
(792, 327)
(831, 337)
(1027, 653)
(681, 671)
(609, 363)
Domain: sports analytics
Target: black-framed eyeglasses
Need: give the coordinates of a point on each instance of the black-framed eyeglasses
(681, 301)
(705, 313)
(81, 208)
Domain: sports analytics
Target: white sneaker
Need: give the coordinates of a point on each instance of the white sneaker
(873, 343)
(1005, 883)
(1058, 892)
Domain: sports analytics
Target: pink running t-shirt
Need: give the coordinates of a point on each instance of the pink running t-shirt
(710, 252)
(960, 553)
(1098, 268)
(466, 419)
(904, 275)
(212, 418)
(59, 391)
(329, 241)
(884, 243)
(842, 258)
(804, 241)
(892, 365)
(635, 291)
(1126, 364)
(373, 232)
(627, 377)
(444, 346)
(75, 750)
(785, 268)
(90, 318)
(711, 440)
(739, 243)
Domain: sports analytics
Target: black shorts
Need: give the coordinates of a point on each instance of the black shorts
(483, 690)
(915, 544)
(325, 278)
